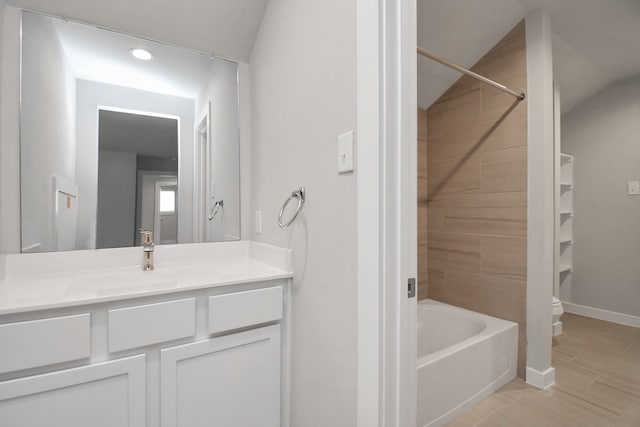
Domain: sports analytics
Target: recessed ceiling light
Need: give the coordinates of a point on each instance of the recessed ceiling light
(142, 54)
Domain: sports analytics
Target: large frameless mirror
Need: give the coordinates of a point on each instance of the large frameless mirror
(120, 134)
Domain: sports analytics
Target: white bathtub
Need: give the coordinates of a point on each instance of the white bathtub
(463, 356)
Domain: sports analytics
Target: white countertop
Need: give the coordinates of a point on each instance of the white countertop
(65, 279)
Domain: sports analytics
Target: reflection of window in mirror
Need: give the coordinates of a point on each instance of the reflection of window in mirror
(115, 121)
(167, 201)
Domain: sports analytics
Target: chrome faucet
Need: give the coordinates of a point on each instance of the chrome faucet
(147, 247)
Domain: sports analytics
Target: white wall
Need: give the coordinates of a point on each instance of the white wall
(303, 91)
(116, 199)
(603, 134)
(48, 127)
(10, 132)
(91, 95)
(221, 90)
(540, 198)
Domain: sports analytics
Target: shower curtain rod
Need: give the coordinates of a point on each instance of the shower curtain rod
(443, 61)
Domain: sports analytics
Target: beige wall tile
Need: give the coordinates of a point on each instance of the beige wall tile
(460, 116)
(463, 85)
(434, 128)
(486, 294)
(422, 216)
(436, 214)
(495, 103)
(460, 251)
(511, 132)
(436, 282)
(423, 190)
(422, 155)
(504, 170)
(462, 142)
(504, 69)
(498, 214)
(505, 256)
(458, 176)
(459, 99)
(436, 150)
(476, 173)
(422, 245)
(422, 124)
(423, 290)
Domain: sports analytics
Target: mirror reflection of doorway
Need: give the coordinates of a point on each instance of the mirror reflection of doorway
(201, 177)
(165, 213)
(136, 152)
(204, 191)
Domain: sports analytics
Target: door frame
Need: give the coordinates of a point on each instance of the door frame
(201, 190)
(157, 215)
(387, 212)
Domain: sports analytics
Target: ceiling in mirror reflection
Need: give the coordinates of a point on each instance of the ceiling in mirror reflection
(227, 28)
(171, 71)
(594, 41)
(146, 135)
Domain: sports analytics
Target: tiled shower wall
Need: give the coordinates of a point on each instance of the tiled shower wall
(473, 183)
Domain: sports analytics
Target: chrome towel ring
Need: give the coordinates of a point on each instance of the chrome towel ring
(214, 209)
(299, 194)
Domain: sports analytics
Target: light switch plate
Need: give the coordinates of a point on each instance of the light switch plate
(633, 188)
(345, 152)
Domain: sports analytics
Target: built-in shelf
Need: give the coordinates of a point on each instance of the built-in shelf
(565, 269)
(565, 158)
(564, 189)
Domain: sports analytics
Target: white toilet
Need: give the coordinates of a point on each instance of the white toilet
(556, 312)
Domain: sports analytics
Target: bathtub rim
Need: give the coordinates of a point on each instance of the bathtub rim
(494, 325)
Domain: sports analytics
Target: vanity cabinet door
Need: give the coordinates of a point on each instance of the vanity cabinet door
(109, 394)
(229, 381)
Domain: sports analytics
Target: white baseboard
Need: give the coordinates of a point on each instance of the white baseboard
(541, 379)
(596, 313)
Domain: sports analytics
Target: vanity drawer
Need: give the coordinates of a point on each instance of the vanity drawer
(242, 309)
(44, 342)
(148, 324)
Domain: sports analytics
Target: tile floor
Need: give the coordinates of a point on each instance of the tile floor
(597, 383)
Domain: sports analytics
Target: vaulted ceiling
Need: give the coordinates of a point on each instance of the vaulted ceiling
(595, 42)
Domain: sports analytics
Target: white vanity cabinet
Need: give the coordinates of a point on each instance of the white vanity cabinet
(234, 380)
(108, 394)
(211, 356)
